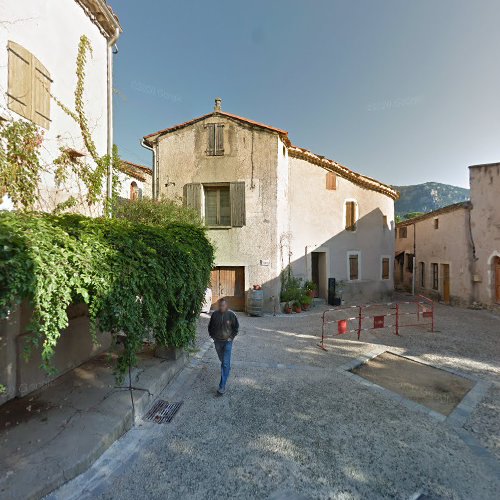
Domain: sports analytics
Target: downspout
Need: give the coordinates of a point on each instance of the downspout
(414, 277)
(154, 187)
(109, 180)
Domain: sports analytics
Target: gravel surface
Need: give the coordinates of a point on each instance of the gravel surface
(292, 425)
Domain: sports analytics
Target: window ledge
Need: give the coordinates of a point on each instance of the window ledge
(219, 227)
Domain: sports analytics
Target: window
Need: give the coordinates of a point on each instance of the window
(436, 223)
(435, 276)
(220, 204)
(331, 181)
(215, 139)
(422, 274)
(409, 262)
(28, 86)
(134, 191)
(350, 216)
(403, 232)
(384, 221)
(353, 263)
(217, 206)
(385, 268)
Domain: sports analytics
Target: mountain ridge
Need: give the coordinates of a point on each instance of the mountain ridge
(427, 197)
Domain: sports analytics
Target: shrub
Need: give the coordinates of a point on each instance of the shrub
(160, 212)
(135, 278)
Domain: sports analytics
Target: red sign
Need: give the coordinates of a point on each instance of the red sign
(427, 314)
(378, 322)
(342, 326)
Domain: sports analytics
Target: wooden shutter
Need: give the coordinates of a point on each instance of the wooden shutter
(350, 215)
(353, 267)
(237, 192)
(41, 94)
(331, 181)
(219, 139)
(192, 196)
(20, 80)
(211, 139)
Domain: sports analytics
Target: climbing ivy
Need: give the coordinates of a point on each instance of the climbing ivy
(136, 279)
(20, 164)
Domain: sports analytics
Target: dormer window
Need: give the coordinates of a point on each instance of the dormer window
(215, 145)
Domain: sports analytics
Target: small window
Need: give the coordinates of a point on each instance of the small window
(350, 216)
(215, 139)
(436, 223)
(422, 274)
(384, 221)
(284, 150)
(331, 181)
(353, 266)
(403, 232)
(385, 268)
(409, 262)
(435, 276)
(217, 206)
(28, 86)
(134, 191)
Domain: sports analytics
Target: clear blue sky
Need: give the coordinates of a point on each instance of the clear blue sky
(403, 91)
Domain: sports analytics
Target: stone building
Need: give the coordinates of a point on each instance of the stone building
(456, 248)
(38, 50)
(269, 204)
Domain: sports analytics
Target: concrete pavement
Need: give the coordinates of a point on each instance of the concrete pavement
(294, 424)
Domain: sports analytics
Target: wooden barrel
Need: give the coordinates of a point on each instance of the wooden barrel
(255, 305)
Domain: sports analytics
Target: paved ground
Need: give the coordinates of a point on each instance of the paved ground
(293, 425)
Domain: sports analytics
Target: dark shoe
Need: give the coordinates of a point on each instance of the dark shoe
(221, 391)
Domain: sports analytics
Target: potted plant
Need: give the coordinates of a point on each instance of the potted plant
(310, 289)
(297, 308)
(306, 302)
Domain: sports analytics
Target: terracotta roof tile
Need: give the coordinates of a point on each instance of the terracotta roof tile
(135, 170)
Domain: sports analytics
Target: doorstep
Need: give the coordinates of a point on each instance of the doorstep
(52, 435)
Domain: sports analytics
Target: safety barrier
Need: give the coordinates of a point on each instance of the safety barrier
(392, 315)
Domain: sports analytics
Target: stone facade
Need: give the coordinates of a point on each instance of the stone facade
(289, 213)
(458, 246)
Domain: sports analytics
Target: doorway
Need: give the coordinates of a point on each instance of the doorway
(445, 271)
(229, 283)
(319, 273)
(497, 280)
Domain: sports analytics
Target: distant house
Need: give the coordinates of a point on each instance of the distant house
(269, 204)
(38, 49)
(456, 248)
(135, 181)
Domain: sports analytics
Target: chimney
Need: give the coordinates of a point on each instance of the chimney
(218, 102)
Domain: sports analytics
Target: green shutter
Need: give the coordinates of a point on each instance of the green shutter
(192, 196)
(238, 218)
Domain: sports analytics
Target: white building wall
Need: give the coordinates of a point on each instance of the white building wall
(317, 223)
(51, 31)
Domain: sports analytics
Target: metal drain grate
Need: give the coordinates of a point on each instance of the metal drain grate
(162, 411)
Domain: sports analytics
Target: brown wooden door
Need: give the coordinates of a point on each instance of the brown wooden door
(446, 282)
(229, 283)
(497, 280)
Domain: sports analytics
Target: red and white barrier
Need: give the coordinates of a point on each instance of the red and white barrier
(392, 315)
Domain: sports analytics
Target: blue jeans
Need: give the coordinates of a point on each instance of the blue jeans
(224, 349)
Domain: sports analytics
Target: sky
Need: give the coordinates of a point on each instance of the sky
(402, 91)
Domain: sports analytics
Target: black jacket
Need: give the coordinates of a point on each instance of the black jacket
(223, 326)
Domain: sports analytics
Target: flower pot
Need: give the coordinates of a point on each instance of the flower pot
(306, 307)
(297, 309)
(287, 310)
(310, 293)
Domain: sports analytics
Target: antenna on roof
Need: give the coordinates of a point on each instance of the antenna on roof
(218, 103)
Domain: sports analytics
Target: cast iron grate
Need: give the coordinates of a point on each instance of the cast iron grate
(162, 411)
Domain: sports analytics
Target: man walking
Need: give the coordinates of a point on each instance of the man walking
(223, 328)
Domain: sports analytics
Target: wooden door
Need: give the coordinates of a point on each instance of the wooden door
(497, 280)
(446, 282)
(229, 283)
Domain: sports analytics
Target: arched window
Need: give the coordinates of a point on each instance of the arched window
(134, 191)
